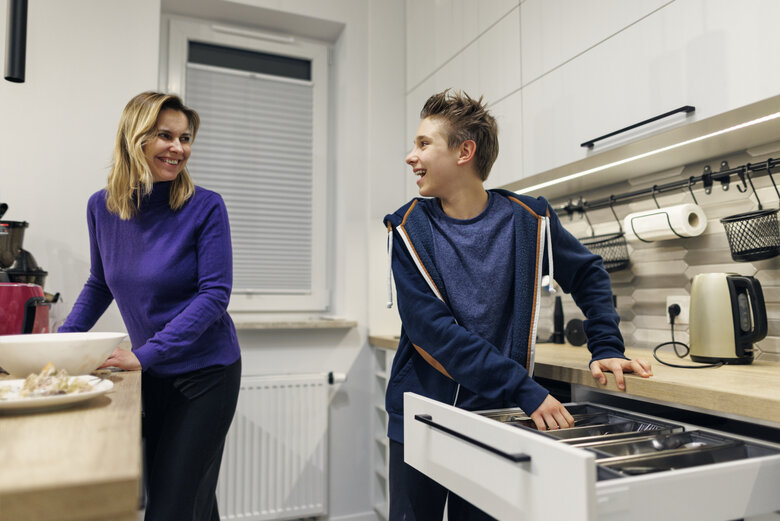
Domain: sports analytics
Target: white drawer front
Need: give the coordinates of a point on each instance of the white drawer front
(559, 481)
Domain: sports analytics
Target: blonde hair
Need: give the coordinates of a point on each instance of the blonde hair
(130, 178)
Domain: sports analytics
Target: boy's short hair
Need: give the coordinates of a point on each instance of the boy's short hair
(466, 118)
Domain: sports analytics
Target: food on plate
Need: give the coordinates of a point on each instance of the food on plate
(49, 382)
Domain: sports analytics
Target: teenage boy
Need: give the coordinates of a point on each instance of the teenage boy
(468, 266)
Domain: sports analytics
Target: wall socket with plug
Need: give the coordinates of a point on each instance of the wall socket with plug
(684, 301)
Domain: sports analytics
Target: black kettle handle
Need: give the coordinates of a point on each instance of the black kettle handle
(753, 287)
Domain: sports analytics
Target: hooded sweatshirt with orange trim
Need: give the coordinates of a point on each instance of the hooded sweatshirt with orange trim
(436, 355)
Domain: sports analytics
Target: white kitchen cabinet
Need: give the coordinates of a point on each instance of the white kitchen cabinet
(488, 66)
(711, 54)
(516, 473)
(510, 134)
(438, 30)
(555, 31)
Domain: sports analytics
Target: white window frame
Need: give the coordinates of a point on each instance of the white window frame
(181, 32)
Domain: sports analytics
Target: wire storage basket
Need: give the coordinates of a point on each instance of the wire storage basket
(611, 247)
(753, 235)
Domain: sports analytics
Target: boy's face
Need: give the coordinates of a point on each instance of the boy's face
(432, 160)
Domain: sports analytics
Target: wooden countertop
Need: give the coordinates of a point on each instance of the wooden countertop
(80, 463)
(748, 391)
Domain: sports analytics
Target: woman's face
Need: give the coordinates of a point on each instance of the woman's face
(168, 151)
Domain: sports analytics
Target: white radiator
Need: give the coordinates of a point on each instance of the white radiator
(275, 462)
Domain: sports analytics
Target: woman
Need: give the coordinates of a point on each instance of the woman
(161, 247)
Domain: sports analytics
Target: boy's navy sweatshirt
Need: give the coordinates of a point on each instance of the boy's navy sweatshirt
(171, 275)
(436, 354)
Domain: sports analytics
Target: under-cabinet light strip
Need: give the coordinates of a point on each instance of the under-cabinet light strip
(647, 154)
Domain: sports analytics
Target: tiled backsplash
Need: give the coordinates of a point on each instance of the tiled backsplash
(663, 268)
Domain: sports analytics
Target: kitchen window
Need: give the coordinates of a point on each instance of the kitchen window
(262, 145)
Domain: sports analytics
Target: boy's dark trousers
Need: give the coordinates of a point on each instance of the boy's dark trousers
(416, 497)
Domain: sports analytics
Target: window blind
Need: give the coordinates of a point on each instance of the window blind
(254, 148)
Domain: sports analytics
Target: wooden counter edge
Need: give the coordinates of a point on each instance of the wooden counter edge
(384, 341)
(108, 500)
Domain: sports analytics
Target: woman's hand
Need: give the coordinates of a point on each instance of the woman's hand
(618, 366)
(551, 415)
(123, 359)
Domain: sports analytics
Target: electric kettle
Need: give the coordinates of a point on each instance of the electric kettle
(727, 316)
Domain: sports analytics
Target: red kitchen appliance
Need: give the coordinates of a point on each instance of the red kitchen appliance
(23, 305)
(23, 309)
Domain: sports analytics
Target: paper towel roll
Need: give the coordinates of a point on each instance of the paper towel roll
(671, 222)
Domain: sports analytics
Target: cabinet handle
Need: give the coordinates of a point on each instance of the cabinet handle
(687, 109)
(516, 458)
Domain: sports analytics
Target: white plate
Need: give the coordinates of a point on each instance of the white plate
(44, 403)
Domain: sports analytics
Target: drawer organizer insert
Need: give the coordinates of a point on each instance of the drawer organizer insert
(627, 445)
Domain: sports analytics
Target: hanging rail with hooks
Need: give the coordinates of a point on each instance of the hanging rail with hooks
(708, 179)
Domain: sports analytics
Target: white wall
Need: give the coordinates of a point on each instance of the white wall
(85, 60)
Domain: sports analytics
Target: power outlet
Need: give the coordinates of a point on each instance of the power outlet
(684, 301)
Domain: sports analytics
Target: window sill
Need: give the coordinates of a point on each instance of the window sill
(314, 323)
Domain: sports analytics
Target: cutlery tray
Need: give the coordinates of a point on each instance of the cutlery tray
(629, 445)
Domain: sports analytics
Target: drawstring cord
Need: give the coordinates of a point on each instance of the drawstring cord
(389, 266)
(550, 283)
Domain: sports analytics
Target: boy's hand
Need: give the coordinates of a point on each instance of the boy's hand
(618, 366)
(551, 415)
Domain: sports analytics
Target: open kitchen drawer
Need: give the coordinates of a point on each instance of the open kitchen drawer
(612, 465)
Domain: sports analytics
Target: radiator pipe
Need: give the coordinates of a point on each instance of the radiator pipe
(334, 378)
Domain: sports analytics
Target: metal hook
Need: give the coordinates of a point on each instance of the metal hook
(746, 168)
(743, 187)
(585, 213)
(690, 188)
(655, 187)
(769, 171)
(612, 207)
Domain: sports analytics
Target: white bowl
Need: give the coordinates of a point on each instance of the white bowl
(77, 353)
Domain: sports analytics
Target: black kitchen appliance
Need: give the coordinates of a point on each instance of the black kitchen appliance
(17, 264)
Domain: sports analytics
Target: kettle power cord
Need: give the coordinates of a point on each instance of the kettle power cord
(674, 310)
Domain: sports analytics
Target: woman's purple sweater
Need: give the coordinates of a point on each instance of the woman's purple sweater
(171, 273)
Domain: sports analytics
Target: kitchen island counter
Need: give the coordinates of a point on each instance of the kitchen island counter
(750, 392)
(78, 463)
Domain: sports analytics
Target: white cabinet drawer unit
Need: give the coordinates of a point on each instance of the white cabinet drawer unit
(612, 465)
